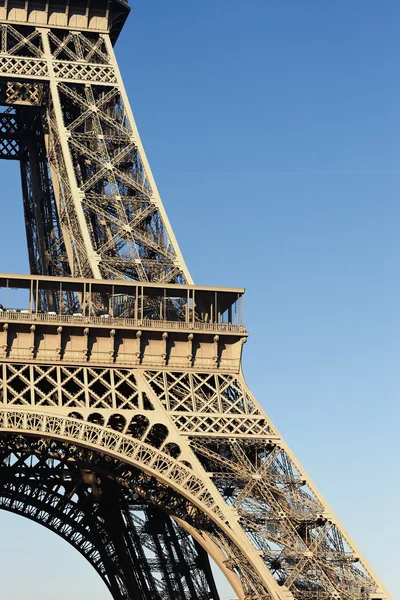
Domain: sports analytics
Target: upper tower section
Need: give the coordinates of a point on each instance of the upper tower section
(91, 205)
(103, 16)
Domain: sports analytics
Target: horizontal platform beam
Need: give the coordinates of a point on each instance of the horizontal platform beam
(106, 16)
(22, 338)
(74, 284)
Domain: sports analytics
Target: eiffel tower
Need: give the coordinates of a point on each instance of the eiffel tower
(126, 426)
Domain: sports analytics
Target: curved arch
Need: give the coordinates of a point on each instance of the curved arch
(172, 473)
(157, 435)
(87, 550)
(116, 422)
(139, 454)
(137, 426)
(96, 418)
(172, 449)
(39, 561)
(26, 492)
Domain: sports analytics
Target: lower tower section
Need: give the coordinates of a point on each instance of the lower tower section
(180, 460)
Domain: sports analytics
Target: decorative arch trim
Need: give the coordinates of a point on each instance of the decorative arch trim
(167, 470)
(130, 450)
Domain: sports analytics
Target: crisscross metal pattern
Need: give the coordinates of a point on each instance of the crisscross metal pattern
(194, 444)
(65, 489)
(210, 420)
(112, 223)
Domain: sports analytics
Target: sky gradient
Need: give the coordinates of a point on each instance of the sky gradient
(272, 129)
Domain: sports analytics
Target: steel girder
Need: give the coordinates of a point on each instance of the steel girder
(86, 157)
(137, 548)
(196, 444)
(239, 491)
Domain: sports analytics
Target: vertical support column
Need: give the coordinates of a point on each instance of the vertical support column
(138, 342)
(164, 352)
(136, 315)
(32, 384)
(59, 386)
(192, 393)
(76, 193)
(4, 345)
(59, 342)
(86, 332)
(141, 311)
(167, 400)
(216, 351)
(4, 377)
(112, 345)
(31, 297)
(37, 297)
(190, 350)
(35, 190)
(112, 383)
(86, 385)
(32, 346)
(218, 390)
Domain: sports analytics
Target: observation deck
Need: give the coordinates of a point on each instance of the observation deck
(120, 323)
(101, 16)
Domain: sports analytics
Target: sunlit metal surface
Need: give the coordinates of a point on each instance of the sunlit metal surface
(126, 424)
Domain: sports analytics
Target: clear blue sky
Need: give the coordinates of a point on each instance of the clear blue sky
(272, 128)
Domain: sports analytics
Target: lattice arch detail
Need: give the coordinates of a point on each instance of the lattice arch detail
(167, 471)
(149, 376)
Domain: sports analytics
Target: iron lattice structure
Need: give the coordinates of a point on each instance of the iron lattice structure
(126, 425)
(91, 205)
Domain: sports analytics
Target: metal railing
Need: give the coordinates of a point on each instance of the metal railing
(18, 315)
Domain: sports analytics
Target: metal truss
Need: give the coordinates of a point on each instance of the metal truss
(136, 440)
(204, 436)
(306, 549)
(22, 138)
(106, 218)
(137, 548)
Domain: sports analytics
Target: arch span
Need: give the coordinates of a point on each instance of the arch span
(159, 477)
(134, 545)
(168, 470)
